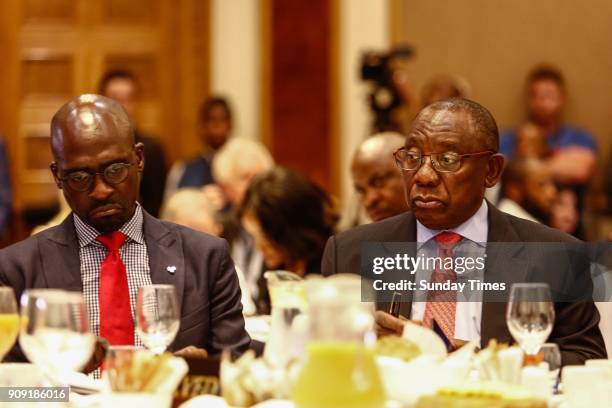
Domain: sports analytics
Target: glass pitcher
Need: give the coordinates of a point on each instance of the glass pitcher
(287, 321)
(340, 369)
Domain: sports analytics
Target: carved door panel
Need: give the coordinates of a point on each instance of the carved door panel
(52, 50)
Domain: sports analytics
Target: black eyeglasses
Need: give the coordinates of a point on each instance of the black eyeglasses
(82, 180)
(442, 162)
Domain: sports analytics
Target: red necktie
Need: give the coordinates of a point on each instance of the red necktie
(441, 305)
(116, 324)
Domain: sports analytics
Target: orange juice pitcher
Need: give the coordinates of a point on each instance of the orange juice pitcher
(340, 369)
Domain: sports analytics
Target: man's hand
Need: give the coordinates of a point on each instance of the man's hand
(388, 325)
(98, 355)
(191, 352)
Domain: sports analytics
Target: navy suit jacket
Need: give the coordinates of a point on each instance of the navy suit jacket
(205, 279)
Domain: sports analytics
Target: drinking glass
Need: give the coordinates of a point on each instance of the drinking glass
(530, 315)
(55, 330)
(157, 316)
(288, 300)
(9, 320)
(119, 368)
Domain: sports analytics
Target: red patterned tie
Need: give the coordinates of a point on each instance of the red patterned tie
(441, 304)
(116, 323)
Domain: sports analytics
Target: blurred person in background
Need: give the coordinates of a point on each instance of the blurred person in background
(564, 215)
(443, 87)
(123, 87)
(437, 88)
(528, 190)
(214, 129)
(573, 151)
(192, 208)
(377, 179)
(290, 218)
(6, 196)
(235, 165)
(531, 142)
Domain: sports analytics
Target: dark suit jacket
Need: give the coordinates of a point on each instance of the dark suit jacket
(205, 280)
(576, 328)
(154, 174)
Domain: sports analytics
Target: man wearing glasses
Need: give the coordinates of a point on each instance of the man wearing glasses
(109, 247)
(449, 158)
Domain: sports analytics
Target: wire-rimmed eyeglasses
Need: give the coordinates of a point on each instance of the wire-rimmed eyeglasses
(446, 162)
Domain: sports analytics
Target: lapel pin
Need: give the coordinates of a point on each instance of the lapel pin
(171, 269)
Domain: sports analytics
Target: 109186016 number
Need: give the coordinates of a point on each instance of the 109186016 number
(34, 394)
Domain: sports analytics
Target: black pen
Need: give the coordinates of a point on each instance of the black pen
(394, 308)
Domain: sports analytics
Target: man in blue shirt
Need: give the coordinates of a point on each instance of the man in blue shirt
(573, 150)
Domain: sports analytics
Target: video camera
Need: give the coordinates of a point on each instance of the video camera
(378, 68)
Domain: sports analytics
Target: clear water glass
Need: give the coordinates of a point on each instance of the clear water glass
(157, 316)
(55, 330)
(530, 315)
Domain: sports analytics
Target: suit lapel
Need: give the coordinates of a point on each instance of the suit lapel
(166, 262)
(503, 264)
(407, 233)
(60, 257)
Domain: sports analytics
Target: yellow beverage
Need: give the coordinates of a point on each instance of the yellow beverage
(339, 375)
(9, 327)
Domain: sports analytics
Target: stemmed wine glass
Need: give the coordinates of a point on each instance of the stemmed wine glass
(157, 316)
(55, 330)
(9, 320)
(530, 315)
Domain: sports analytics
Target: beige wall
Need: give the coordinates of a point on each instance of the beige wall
(493, 44)
(363, 26)
(235, 64)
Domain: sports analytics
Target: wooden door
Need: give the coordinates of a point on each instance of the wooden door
(52, 50)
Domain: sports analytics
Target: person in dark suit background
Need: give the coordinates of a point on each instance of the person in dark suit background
(98, 167)
(123, 87)
(450, 157)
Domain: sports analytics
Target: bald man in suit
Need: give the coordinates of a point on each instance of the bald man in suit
(98, 164)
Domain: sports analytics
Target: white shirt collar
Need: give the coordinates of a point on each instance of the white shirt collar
(476, 228)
